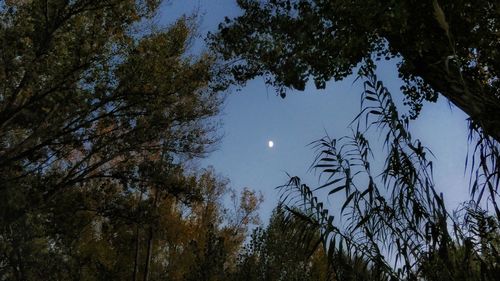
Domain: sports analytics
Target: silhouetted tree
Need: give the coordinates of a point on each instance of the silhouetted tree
(98, 116)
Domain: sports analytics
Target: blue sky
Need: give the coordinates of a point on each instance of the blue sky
(254, 115)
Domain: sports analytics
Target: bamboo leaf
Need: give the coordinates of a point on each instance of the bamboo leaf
(336, 190)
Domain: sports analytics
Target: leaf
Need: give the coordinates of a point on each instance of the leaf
(330, 221)
(369, 92)
(347, 201)
(324, 166)
(327, 159)
(331, 171)
(368, 190)
(336, 189)
(362, 222)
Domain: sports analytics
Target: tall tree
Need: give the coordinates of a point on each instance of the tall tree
(83, 93)
(275, 253)
(98, 115)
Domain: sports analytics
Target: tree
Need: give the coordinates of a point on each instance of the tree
(442, 47)
(174, 239)
(79, 94)
(98, 117)
(213, 233)
(445, 47)
(274, 253)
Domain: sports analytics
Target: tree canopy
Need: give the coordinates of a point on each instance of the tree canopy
(99, 115)
(444, 47)
(102, 112)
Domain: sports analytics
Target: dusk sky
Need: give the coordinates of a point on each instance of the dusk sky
(255, 114)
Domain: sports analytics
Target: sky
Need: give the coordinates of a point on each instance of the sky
(254, 114)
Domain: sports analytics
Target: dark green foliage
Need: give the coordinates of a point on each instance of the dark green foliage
(446, 47)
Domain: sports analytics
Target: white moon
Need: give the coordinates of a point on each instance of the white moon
(270, 144)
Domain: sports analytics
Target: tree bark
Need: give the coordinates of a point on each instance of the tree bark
(136, 259)
(137, 241)
(472, 98)
(436, 67)
(149, 254)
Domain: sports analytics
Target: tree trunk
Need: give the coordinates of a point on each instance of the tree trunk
(136, 259)
(436, 67)
(470, 96)
(137, 242)
(149, 254)
(20, 266)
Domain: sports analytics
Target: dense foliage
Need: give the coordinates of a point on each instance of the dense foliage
(98, 116)
(274, 253)
(102, 112)
(446, 47)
